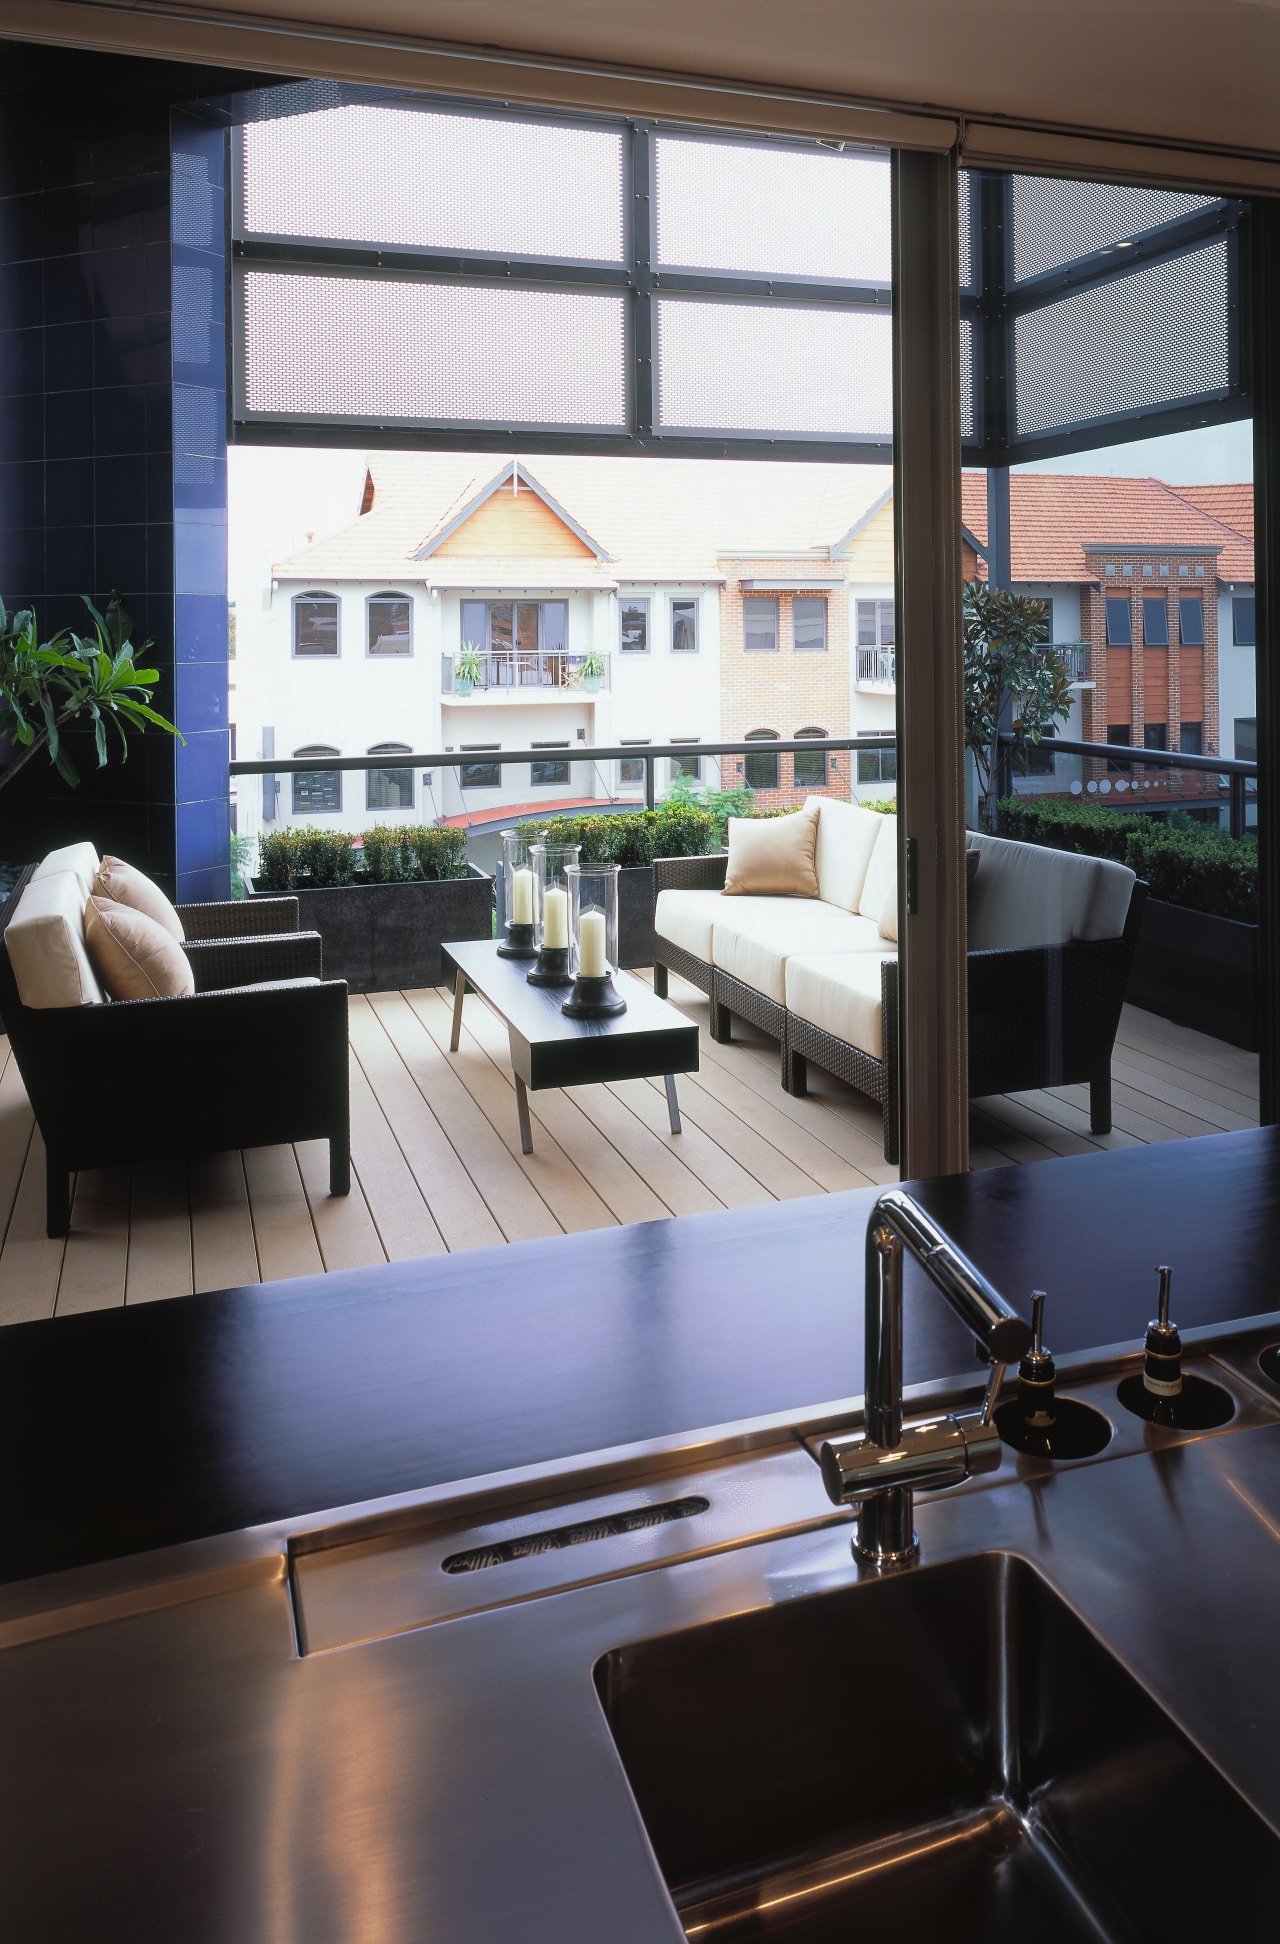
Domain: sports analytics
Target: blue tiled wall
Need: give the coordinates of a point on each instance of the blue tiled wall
(112, 455)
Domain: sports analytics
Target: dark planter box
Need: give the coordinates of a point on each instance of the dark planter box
(1197, 970)
(384, 937)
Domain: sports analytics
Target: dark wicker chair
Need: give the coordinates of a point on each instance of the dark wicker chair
(1045, 1017)
(220, 1068)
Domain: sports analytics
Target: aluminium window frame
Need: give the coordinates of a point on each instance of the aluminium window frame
(644, 601)
(406, 769)
(636, 278)
(755, 603)
(384, 596)
(314, 594)
(314, 809)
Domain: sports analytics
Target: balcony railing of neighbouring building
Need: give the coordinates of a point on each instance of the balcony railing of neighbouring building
(875, 668)
(525, 669)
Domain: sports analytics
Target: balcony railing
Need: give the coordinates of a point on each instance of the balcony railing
(524, 668)
(1076, 656)
(875, 668)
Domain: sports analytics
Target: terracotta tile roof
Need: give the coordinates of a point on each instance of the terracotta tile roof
(1232, 505)
(1055, 516)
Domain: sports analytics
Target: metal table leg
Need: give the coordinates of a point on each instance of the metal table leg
(522, 1109)
(459, 989)
(673, 1105)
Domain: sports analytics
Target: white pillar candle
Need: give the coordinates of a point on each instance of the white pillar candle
(591, 959)
(555, 919)
(522, 897)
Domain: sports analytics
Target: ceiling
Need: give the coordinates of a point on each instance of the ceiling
(1195, 72)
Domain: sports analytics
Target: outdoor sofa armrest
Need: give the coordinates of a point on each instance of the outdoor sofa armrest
(239, 918)
(221, 962)
(690, 873)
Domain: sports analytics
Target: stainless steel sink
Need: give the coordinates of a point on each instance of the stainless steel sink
(950, 1752)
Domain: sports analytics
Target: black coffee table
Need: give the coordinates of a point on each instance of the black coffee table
(550, 1050)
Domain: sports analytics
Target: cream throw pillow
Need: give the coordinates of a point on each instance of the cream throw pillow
(772, 857)
(136, 958)
(129, 887)
(45, 941)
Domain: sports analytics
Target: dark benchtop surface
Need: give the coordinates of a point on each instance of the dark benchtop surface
(123, 1430)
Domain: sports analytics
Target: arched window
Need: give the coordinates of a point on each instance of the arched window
(389, 789)
(319, 789)
(389, 624)
(810, 767)
(315, 623)
(761, 768)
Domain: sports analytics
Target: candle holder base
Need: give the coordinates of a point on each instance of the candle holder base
(594, 999)
(552, 968)
(519, 943)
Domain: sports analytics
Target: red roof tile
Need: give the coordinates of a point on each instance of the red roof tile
(1055, 516)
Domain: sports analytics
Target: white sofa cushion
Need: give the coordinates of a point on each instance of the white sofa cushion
(846, 838)
(839, 992)
(80, 858)
(881, 881)
(753, 938)
(45, 942)
(1026, 895)
(686, 918)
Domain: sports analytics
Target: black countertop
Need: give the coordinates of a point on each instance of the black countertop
(123, 1430)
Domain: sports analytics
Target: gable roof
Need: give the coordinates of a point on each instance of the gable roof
(1056, 517)
(516, 475)
(1232, 506)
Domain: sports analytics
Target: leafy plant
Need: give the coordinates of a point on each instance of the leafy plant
(723, 804)
(633, 837)
(593, 666)
(46, 686)
(1008, 668)
(413, 853)
(468, 669)
(244, 851)
(1203, 869)
(304, 856)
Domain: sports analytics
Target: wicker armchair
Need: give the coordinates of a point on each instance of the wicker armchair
(221, 1068)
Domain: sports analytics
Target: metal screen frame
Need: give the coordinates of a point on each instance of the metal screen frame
(636, 278)
(994, 300)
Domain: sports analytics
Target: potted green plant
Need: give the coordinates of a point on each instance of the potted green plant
(1010, 674)
(383, 903)
(45, 687)
(467, 674)
(592, 672)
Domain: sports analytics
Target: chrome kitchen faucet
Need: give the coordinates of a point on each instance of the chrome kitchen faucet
(884, 1464)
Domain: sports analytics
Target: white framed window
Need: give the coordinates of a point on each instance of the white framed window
(809, 624)
(550, 769)
(506, 628)
(389, 624)
(479, 775)
(684, 627)
(317, 792)
(391, 788)
(759, 624)
(686, 765)
(877, 765)
(875, 624)
(634, 638)
(315, 623)
(631, 769)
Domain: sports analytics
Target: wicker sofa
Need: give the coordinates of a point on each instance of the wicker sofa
(1051, 939)
(257, 1054)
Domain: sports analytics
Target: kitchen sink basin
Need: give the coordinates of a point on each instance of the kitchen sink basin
(949, 1752)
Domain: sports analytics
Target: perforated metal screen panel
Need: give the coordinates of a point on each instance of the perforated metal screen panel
(1156, 336)
(810, 372)
(384, 351)
(966, 187)
(968, 412)
(1056, 223)
(771, 212)
(415, 179)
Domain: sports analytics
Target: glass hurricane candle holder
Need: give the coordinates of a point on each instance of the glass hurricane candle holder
(593, 926)
(521, 940)
(551, 863)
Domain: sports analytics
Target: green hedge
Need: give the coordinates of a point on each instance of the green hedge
(633, 837)
(308, 858)
(1204, 869)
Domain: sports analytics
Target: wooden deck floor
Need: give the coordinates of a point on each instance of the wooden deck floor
(438, 1163)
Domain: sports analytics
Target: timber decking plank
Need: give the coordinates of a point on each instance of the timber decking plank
(754, 1150)
(16, 1123)
(562, 1185)
(224, 1253)
(392, 1196)
(707, 1178)
(345, 1232)
(31, 1261)
(512, 1200)
(96, 1259)
(282, 1228)
(455, 1204)
(160, 1263)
